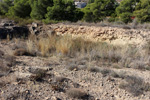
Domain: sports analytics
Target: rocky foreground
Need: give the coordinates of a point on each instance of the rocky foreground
(64, 74)
(30, 77)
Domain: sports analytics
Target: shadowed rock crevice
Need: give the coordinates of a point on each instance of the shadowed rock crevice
(8, 28)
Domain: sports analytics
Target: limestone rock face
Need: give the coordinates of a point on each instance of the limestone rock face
(112, 35)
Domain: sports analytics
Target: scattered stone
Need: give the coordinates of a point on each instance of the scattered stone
(34, 25)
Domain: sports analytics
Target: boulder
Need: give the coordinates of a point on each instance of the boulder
(34, 25)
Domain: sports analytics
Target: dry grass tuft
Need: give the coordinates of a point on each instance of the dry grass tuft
(77, 93)
(118, 56)
(63, 45)
(46, 45)
(30, 46)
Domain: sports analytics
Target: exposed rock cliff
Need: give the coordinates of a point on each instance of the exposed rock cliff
(106, 34)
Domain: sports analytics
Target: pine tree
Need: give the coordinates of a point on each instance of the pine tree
(98, 10)
(21, 9)
(39, 8)
(63, 10)
(125, 10)
(142, 11)
(4, 6)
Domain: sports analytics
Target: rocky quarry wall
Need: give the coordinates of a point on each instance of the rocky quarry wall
(117, 36)
(113, 35)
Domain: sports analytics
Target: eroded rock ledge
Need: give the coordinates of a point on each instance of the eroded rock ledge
(106, 34)
(113, 35)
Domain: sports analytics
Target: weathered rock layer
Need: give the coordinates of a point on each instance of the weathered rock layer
(106, 34)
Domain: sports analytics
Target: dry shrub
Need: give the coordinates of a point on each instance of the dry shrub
(120, 74)
(105, 72)
(22, 52)
(126, 27)
(63, 45)
(109, 52)
(77, 93)
(93, 69)
(136, 56)
(47, 45)
(135, 85)
(117, 65)
(32, 37)
(138, 64)
(30, 46)
(81, 45)
(100, 51)
(134, 23)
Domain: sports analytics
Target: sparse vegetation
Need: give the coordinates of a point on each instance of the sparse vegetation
(110, 55)
(105, 72)
(135, 85)
(82, 57)
(77, 93)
